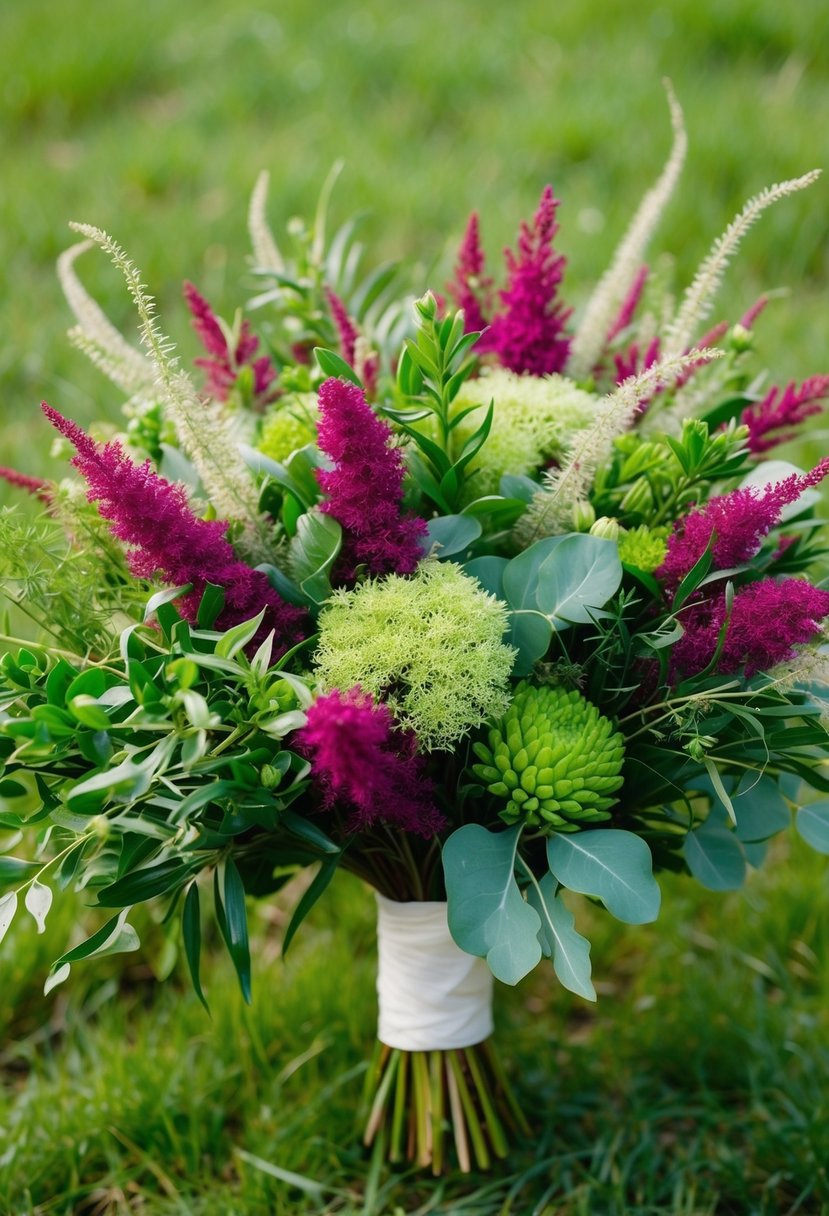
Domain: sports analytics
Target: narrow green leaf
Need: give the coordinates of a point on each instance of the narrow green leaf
(332, 364)
(235, 639)
(233, 921)
(322, 878)
(191, 932)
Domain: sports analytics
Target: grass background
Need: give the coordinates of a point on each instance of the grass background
(699, 1084)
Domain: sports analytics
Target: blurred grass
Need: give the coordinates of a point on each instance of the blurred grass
(699, 1084)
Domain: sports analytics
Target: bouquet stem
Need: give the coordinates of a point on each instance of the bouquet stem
(438, 1108)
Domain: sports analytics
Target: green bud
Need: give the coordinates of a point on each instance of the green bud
(606, 528)
(584, 515)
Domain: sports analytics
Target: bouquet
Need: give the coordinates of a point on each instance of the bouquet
(481, 602)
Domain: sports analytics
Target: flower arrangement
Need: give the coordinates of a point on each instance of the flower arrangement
(479, 600)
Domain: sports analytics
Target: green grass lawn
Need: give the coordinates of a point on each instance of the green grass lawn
(699, 1085)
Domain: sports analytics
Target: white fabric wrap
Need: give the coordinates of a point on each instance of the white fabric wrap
(432, 995)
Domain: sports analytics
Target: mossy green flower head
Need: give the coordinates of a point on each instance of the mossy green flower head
(533, 419)
(429, 646)
(553, 758)
(289, 424)
(644, 548)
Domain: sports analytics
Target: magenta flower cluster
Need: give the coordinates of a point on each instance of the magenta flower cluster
(364, 489)
(359, 757)
(735, 525)
(768, 619)
(527, 333)
(771, 420)
(154, 518)
(224, 364)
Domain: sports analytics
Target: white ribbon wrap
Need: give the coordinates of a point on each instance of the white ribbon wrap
(432, 995)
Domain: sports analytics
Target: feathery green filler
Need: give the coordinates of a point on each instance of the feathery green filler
(289, 426)
(554, 758)
(533, 420)
(643, 547)
(429, 646)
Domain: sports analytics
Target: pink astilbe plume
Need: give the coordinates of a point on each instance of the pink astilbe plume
(629, 305)
(364, 489)
(153, 517)
(528, 335)
(32, 485)
(748, 318)
(771, 420)
(224, 365)
(470, 289)
(359, 757)
(630, 363)
(768, 619)
(346, 329)
(737, 522)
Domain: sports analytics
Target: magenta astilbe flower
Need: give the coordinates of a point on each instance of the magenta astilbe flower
(768, 619)
(470, 289)
(346, 329)
(629, 305)
(21, 481)
(629, 363)
(361, 758)
(365, 488)
(771, 420)
(748, 318)
(153, 517)
(737, 521)
(224, 364)
(528, 335)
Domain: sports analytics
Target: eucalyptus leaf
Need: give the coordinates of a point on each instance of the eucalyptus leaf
(715, 857)
(577, 579)
(614, 866)
(452, 534)
(8, 907)
(812, 823)
(559, 940)
(486, 912)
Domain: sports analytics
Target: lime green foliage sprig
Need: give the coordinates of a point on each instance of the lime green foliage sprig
(430, 374)
(139, 774)
(554, 758)
(655, 481)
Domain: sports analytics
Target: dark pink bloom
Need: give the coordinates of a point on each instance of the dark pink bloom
(346, 329)
(470, 289)
(361, 758)
(737, 522)
(33, 485)
(629, 305)
(629, 363)
(770, 421)
(768, 619)
(748, 318)
(224, 364)
(707, 340)
(364, 490)
(527, 334)
(154, 518)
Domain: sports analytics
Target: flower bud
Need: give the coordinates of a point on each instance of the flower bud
(607, 528)
(584, 515)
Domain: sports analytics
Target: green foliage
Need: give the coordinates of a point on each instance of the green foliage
(142, 772)
(487, 914)
(431, 644)
(613, 866)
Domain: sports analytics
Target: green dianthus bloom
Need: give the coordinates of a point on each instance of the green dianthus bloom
(644, 548)
(533, 419)
(289, 425)
(554, 759)
(429, 645)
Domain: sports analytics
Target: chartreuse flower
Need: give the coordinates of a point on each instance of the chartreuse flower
(289, 425)
(644, 548)
(533, 419)
(429, 646)
(554, 759)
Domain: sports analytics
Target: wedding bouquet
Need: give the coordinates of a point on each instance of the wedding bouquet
(476, 602)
